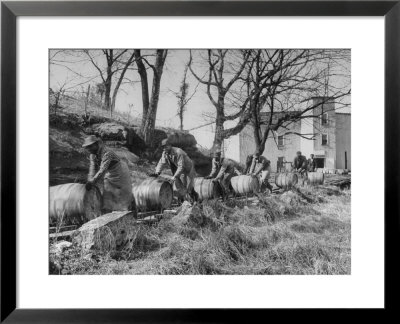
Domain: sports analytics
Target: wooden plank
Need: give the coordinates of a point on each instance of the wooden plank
(170, 211)
(64, 234)
(141, 215)
(63, 228)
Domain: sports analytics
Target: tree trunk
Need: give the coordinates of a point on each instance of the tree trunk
(256, 130)
(150, 118)
(181, 120)
(219, 125)
(260, 147)
(87, 100)
(121, 77)
(107, 94)
(145, 86)
(182, 97)
(56, 103)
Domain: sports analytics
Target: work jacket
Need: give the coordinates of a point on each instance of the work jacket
(300, 162)
(311, 165)
(178, 161)
(104, 161)
(259, 164)
(249, 162)
(225, 166)
(113, 179)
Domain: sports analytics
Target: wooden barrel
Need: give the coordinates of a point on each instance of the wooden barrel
(315, 178)
(206, 189)
(178, 190)
(286, 180)
(245, 184)
(288, 167)
(72, 204)
(152, 194)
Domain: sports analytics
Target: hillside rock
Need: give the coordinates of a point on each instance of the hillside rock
(188, 215)
(59, 247)
(108, 131)
(112, 133)
(109, 232)
(68, 160)
(55, 255)
(126, 156)
(291, 198)
(177, 138)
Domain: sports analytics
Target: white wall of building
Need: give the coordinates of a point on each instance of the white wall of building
(231, 148)
(306, 145)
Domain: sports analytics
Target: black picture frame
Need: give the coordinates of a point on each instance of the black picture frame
(9, 13)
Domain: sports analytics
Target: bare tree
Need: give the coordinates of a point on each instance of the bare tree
(115, 67)
(183, 96)
(100, 90)
(58, 94)
(225, 69)
(280, 84)
(110, 65)
(150, 103)
(87, 101)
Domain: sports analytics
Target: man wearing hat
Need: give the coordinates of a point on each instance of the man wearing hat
(261, 167)
(249, 162)
(300, 164)
(182, 168)
(312, 164)
(223, 170)
(110, 174)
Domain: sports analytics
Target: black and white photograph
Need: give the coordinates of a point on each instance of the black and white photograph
(200, 161)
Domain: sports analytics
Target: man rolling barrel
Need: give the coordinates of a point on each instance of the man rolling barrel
(249, 162)
(261, 167)
(223, 170)
(110, 174)
(311, 163)
(300, 164)
(182, 168)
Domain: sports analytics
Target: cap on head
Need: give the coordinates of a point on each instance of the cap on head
(298, 153)
(91, 139)
(164, 142)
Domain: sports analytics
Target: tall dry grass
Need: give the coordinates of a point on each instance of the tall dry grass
(299, 232)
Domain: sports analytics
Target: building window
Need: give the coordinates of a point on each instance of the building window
(324, 119)
(281, 140)
(324, 138)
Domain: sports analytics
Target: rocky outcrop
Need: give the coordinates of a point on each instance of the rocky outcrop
(109, 232)
(188, 215)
